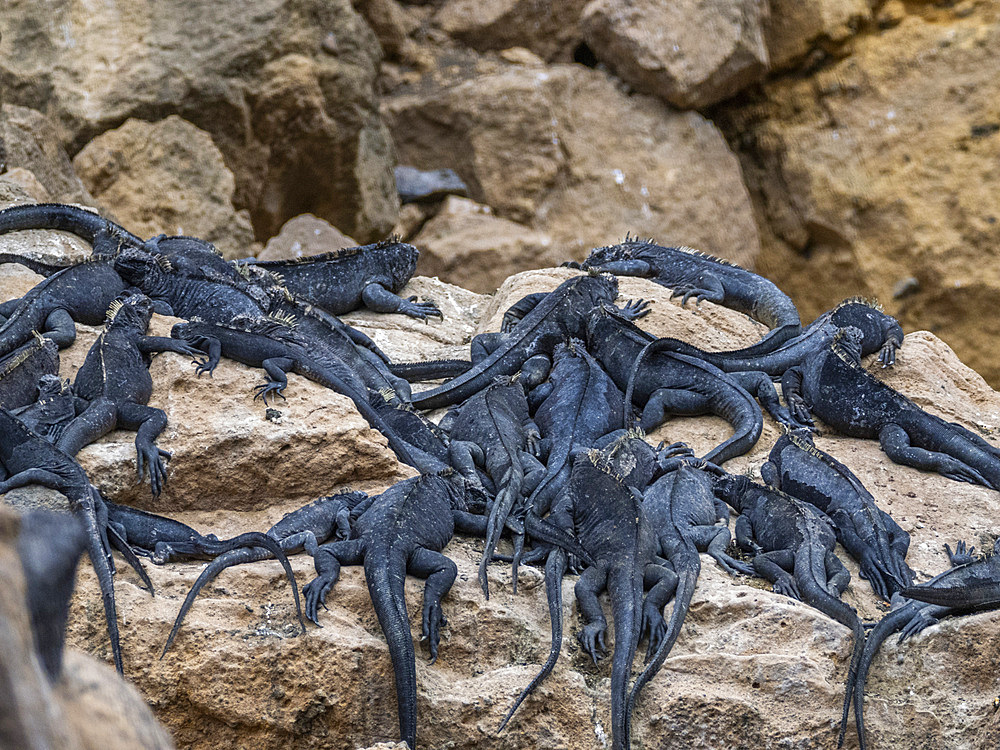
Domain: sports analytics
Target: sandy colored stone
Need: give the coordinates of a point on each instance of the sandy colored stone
(27, 181)
(166, 177)
(859, 189)
(793, 28)
(31, 142)
(541, 147)
(391, 22)
(305, 235)
(286, 90)
(690, 53)
(465, 240)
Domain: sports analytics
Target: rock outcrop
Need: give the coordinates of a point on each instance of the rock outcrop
(305, 235)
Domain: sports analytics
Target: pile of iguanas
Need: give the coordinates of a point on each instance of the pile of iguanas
(543, 440)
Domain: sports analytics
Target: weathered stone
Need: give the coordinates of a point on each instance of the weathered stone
(297, 124)
(549, 29)
(391, 23)
(858, 188)
(305, 235)
(793, 28)
(562, 150)
(466, 241)
(30, 184)
(166, 177)
(31, 142)
(58, 248)
(690, 53)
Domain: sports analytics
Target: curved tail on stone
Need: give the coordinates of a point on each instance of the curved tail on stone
(625, 592)
(87, 225)
(105, 578)
(510, 490)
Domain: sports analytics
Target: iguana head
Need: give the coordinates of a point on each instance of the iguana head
(624, 250)
(130, 311)
(396, 260)
(867, 316)
(138, 267)
(50, 386)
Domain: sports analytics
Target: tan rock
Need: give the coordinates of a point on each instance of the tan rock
(30, 184)
(794, 27)
(691, 54)
(31, 142)
(465, 240)
(860, 191)
(287, 93)
(391, 22)
(538, 145)
(166, 177)
(549, 29)
(305, 235)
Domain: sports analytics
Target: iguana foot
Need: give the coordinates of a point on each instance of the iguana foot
(635, 309)
(149, 457)
(434, 620)
(654, 627)
(315, 593)
(591, 638)
(961, 555)
(261, 391)
(959, 472)
(887, 354)
(575, 265)
(786, 585)
(917, 623)
(419, 310)
(202, 366)
(798, 409)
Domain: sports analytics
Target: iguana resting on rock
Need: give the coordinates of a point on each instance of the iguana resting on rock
(56, 407)
(402, 530)
(368, 276)
(557, 317)
(877, 542)
(694, 274)
(838, 390)
(274, 346)
(301, 530)
(115, 380)
(602, 504)
(49, 545)
(21, 370)
(969, 585)
(792, 543)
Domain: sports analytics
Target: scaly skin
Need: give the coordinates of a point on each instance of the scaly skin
(22, 369)
(106, 237)
(838, 390)
(55, 408)
(877, 542)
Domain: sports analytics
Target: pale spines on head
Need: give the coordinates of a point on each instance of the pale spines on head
(113, 309)
(871, 302)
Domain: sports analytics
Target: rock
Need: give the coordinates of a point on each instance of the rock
(166, 177)
(858, 190)
(540, 147)
(793, 28)
(551, 30)
(691, 54)
(293, 114)
(464, 240)
(30, 184)
(391, 23)
(57, 248)
(31, 142)
(303, 236)
(750, 669)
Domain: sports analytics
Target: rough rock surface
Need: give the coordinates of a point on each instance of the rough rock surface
(876, 176)
(286, 89)
(751, 668)
(29, 141)
(690, 53)
(794, 27)
(166, 177)
(562, 150)
(89, 708)
(305, 235)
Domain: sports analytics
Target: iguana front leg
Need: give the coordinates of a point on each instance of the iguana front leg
(379, 299)
(791, 389)
(148, 423)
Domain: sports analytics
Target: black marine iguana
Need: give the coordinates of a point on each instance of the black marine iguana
(877, 542)
(56, 407)
(22, 369)
(345, 280)
(301, 530)
(694, 274)
(559, 316)
(402, 530)
(838, 390)
(970, 585)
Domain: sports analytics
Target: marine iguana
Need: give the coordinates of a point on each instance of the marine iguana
(301, 530)
(367, 276)
(56, 407)
(560, 315)
(966, 586)
(30, 459)
(838, 390)
(49, 545)
(792, 543)
(402, 530)
(105, 236)
(21, 370)
(115, 380)
(877, 542)
(274, 346)
(602, 503)
(694, 274)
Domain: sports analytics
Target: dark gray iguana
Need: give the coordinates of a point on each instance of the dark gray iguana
(301, 530)
(401, 531)
(838, 390)
(367, 276)
(22, 369)
(877, 542)
(56, 407)
(114, 379)
(694, 274)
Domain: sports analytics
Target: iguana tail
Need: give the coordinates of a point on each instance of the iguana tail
(510, 490)
(965, 597)
(99, 559)
(385, 586)
(415, 372)
(555, 568)
(87, 225)
(625, 592)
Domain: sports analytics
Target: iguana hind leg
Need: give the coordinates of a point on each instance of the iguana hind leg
(895, 441)
(328, 559)
(440, 573)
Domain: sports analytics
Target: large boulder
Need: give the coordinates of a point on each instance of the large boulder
(303, 236)
(563, 151)
(286, 89)
(859, 190)
(166, 177)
